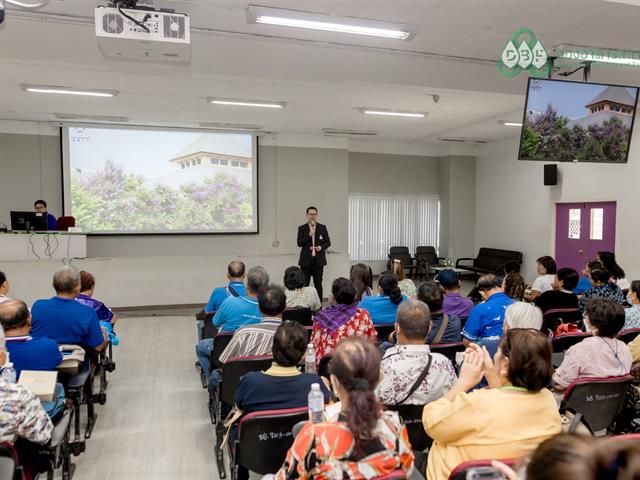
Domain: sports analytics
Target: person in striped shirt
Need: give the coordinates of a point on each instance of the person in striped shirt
(257, 338)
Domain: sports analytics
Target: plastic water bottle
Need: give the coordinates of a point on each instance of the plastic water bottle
(316, 404)
(8, 372)
(310, 359)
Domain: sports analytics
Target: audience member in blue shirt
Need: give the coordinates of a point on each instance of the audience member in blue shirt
(282, 385)
(40, 206)
(485, 324)
(382, 308)
(26, 352)
(30, 353)
(234, 313)
(63, 319)
(235, 275)
(585, 283)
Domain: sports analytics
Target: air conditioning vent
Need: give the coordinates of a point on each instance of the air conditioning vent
(174, 26)
(112, 23)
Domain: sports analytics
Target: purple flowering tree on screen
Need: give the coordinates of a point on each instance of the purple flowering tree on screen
(111, 199)
(547, 136)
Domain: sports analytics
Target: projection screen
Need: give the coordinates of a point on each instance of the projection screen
(139, 180)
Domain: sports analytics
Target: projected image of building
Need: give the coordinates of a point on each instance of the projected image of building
(225, 153)
(208, 155)
(612, 102)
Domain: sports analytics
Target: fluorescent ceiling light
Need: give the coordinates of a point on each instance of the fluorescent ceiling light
(68, 90)
(340, 132)
(319, 21)
(462, 140)
(96, 118)
(635, 3)
(245, 103)
(230, 126)
(392, 113)
(509, 124)
(582, 53)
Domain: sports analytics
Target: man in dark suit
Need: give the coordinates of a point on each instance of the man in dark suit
(313, 240)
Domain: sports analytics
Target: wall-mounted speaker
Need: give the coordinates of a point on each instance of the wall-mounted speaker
(551, 174)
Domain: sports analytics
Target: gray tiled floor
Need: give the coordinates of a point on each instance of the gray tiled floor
(155, 424)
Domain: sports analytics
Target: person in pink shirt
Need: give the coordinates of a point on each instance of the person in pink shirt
(601, 355)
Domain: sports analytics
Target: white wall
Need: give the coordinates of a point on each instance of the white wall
(293, 173)
(29, 170)
(160, 270)
(457, 177)
(514, 210)
(392, 174)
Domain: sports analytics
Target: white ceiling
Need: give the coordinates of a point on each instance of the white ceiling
(324, 77)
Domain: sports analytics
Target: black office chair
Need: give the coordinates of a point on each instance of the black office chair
(233, 369)
(479, 469)
(562, 343)
(409, 263)
(384, 331)
(302, 315)
(56, 453)
(263, 440)
(555, 317)
(449, 350)
(412, 417)
(79, 389)
(628, 335)
(597, 401)
(220, 342)
(426, 258)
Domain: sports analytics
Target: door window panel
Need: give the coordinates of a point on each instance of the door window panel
(574, 223)
(597, 221)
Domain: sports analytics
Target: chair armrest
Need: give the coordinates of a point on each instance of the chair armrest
(60, 429)
(463, 258)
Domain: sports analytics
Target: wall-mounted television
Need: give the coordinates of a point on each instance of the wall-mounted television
(566, 121)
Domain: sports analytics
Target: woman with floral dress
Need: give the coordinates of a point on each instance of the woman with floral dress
(343, 318)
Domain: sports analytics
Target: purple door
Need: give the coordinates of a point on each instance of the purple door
(582, 230)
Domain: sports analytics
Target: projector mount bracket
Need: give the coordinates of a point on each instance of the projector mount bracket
(585, 67)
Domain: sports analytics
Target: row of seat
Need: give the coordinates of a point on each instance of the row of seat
(253, 449)
(488, 260)
(264, 437)
(68, 437)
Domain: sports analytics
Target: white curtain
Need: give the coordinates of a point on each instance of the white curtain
(377, 222)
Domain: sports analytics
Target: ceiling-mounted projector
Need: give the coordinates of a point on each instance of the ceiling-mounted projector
(143, 33)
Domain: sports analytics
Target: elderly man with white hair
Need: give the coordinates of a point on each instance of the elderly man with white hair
(522, 315)
(21, 413)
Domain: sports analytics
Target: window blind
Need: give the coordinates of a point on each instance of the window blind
(377, 222)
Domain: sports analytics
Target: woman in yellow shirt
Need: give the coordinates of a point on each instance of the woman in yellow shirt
(507, 420)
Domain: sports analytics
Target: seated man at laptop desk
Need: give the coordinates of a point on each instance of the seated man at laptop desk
(63, 319)
(40, 206)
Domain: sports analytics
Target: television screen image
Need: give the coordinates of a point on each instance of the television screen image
(567, 121)
(138, 180)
